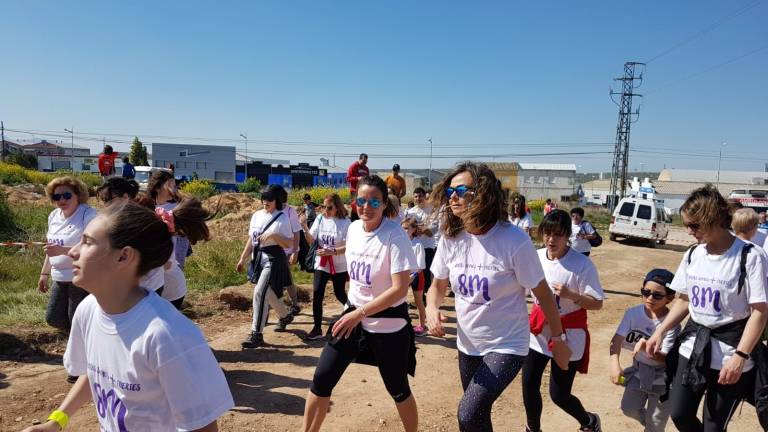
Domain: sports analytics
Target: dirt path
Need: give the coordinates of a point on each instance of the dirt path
(269, 385)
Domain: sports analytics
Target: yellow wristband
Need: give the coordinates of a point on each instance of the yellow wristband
(60, 417)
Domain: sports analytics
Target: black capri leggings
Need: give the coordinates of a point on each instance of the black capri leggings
(560, 386)
(483, 379)
(319, 281)
(719, 404)
(64, 299)
(392, 351)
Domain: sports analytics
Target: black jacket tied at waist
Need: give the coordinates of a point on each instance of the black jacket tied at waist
(365, 354)
(694, 374)
(279, 276)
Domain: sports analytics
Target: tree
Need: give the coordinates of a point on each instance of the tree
(23, 159)
(138, 153)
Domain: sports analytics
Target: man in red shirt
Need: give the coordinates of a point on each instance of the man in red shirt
(356, 171)
(107, 161)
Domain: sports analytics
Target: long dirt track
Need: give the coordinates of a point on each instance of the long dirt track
(269, 385)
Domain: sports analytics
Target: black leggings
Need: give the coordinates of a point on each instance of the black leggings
(392, 351)
(719, 404)
(64, 299)
(319, 281)
(483, 379)
(429, 256)
(560, 386)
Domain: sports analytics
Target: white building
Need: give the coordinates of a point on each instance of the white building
(210, 162)
(704, 176)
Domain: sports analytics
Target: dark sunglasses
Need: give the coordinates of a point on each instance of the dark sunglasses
(66, 195)
(693, 226)
(326, 207)
(649, 293)
(460, 191)
(374, 202)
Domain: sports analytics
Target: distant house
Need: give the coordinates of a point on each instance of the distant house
(48, 148)
(712, 176)
(536, 180)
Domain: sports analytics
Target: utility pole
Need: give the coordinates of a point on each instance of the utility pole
(429, 176)
(621, 151)
(719, 158)
(2, 134)
(244, 136)
(72, 155)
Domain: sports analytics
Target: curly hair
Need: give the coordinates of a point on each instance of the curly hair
(488, 206)
(78, 187)
(520, 199)
(707, 207)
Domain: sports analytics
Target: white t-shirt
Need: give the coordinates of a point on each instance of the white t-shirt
(372, 258)
(711, 284)
(150, 369)
(636, 325)
(330, 233)
(524, 223)
(259, 220)
(759, 239)
(293, 219)
(425, 218)
(491, 275)
(154, 279)
(421, 256)
(66, 232)
(175, 286)
(577, 272)
(581, 244)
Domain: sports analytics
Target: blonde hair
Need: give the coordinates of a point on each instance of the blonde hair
(744, 221)
(77, 186)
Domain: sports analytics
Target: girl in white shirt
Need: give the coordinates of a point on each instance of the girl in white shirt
(143, 364)
(380, 260)
(491, 267)
(518, 214)
(573, 280)
(415, 232)
(330, 231)
(65, 227)
(727, 307)
(268, 236)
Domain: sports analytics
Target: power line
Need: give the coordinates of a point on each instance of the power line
(704, 31)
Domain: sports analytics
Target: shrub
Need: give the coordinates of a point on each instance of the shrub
(8, 228)
(12, 174)
(200, 189)
(317, 193)
(251, 185)
(536, 205)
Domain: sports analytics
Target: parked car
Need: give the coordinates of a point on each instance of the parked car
(642, 219)
(143, 174)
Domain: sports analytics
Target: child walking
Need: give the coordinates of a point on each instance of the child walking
(414, 231)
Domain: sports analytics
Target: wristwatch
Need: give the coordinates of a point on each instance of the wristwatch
(561, 338)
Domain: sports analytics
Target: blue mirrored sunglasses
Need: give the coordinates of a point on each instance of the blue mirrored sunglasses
(460, 190)
(374, 202)
(66, 195)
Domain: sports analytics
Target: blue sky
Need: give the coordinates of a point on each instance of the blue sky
(478, 77)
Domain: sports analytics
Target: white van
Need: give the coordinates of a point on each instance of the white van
(144, 173)
(640, 218)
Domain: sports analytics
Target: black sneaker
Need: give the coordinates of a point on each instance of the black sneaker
(594, 424)
(282, 323)
(254, 340)
(316, 334)
(72, 379)
(295, 309)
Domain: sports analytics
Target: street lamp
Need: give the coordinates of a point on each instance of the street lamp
(719, 159)
(244, 136)
(429, 176)
(72, 154)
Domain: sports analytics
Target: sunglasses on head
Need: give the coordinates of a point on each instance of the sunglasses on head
(374, 202)
(649, 293)
(460, 191)
(66, 195)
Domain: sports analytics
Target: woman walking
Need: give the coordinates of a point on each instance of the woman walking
(330, 231)
(491, 267)
(518, 214)
(375, 328)
(269, 233)
(573, 280)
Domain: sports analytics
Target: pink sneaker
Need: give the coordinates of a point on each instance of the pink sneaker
(420, 330)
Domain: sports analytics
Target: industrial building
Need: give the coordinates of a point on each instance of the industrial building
(537, 180)
(211, 162)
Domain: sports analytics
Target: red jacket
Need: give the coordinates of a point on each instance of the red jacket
(573, 320)
(107, 163)
(356, 170)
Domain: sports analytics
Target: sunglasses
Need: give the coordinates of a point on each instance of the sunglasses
(326, 207)
(66, 195)
(374, 202)
(460, 191)
(648, 293)
(692, 226)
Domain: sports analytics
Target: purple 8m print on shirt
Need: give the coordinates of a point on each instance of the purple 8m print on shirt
(701, 296)
(109, 403)
(468, 284)
(360, 271)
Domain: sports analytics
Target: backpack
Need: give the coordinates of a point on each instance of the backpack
(742, 265)
(309, 260)
(598, 240)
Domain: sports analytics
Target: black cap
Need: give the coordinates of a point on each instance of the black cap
(396, 167)
(660, 276)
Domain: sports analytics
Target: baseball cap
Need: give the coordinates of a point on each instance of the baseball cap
(662, 277)
(396, 167)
